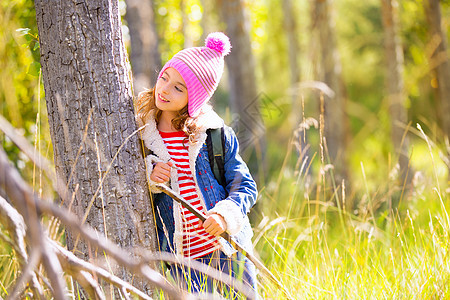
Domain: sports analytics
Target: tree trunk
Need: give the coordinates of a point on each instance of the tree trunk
(90, 108)
(244, 98)
(441, 66)
(292, 34)
(145, 56)
(185, 25)
(328, 68)
(395, 85)
(209, 18)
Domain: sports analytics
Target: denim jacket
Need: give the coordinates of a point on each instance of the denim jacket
(240, 186)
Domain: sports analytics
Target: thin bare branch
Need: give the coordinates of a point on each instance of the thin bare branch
(16, 227)
(37, 159)
(54, 271)
(26, 274)
(74, 264)
(21, 142)
(316, 85)
(86, 280)
(125, 293)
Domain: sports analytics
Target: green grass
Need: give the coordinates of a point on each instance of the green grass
(358, 249)
(407, 258)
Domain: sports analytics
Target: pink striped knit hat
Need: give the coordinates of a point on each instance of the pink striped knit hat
(201, 69)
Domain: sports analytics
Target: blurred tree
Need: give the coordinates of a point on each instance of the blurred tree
(292, 35)
(207, 22)
(328, 69)
(145, 56)
(439, 62)
(188, 42)
(395, 86)
(90, 107)
(244, 98)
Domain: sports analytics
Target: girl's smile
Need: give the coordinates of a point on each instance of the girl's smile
(162, 99)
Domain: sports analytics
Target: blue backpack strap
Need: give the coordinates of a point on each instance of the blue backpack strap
(215, 142)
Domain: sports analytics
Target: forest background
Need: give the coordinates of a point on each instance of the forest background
(334, 218)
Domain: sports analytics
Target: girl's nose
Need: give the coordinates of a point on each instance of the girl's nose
(165, 89)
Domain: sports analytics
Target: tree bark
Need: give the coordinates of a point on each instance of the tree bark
(329, 70)
(144, 55)
(439, 61)
(90, 108)
(244, 98)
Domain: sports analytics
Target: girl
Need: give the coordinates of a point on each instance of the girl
(177, 116)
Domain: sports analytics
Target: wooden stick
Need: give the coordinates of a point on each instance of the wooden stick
(258, 264)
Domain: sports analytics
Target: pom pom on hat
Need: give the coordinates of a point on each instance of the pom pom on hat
(219, 42)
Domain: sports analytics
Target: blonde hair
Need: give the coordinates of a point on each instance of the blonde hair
(146, 107)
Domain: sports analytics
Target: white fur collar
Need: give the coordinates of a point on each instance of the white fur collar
(209, 119)
(154, 142)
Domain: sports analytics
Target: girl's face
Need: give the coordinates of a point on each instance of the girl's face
(171, 92)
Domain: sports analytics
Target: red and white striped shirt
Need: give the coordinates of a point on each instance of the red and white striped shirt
(196, 241)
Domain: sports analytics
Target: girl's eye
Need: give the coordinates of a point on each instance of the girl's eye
(163, 78)
(178, 89)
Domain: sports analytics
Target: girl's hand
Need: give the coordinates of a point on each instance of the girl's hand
(161, 172)
(215, 225)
